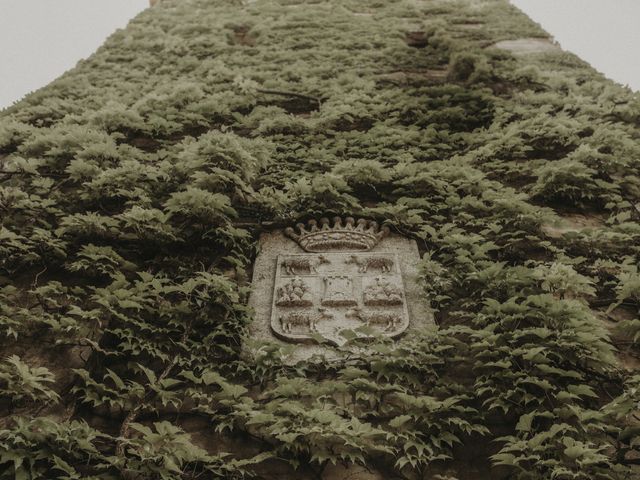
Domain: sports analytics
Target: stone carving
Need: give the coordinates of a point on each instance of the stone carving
(294, 266)
(338, 291)
(362, 235)
(382, 292)
(340, 296)
(384, 264)
(303, 319)
(294, 293)
(389, 320)
(336, 279)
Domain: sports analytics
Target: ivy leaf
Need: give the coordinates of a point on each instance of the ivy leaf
(398, 421)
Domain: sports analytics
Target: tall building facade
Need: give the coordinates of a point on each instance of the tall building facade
(321, 240)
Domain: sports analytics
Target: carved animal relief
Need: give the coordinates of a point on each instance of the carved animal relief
(339, 283)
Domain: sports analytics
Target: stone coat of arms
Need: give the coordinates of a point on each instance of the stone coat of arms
(339, 286)
(333, 280)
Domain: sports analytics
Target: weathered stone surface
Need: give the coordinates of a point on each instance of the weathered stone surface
(352, 472)
(573, 223)
(524, 46)
(301, 297)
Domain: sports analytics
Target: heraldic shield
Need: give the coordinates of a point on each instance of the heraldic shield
(338, 286)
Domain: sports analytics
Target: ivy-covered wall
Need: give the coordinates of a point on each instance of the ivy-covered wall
(133, 190)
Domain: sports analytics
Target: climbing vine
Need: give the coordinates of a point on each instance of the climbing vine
(134, 188)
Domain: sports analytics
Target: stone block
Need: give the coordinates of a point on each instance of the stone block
(332, 283)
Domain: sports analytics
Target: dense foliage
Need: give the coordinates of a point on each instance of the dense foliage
(133, 190)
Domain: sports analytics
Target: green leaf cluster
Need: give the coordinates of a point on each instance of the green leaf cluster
(134, 190)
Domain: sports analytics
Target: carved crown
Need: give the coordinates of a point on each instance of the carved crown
(347, 235)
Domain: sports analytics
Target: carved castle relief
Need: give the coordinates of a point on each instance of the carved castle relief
(338, 291)
(338, 284)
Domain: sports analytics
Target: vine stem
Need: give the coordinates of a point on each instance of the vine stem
(125, 427)
(133, 413)
(290, 94)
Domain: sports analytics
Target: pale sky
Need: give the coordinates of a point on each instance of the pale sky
(41, 39)
(605, 33)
